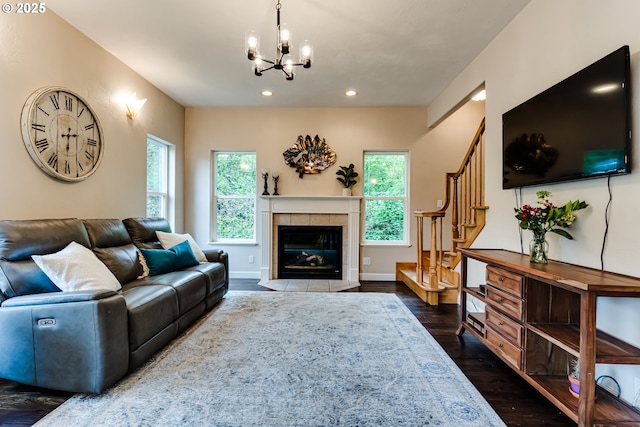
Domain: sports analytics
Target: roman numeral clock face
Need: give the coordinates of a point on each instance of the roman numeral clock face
(62, 134)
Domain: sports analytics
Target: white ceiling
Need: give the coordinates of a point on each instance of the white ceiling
(395, 52)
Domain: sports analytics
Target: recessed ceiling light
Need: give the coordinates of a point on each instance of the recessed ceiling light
(351, 93)
(266, 93)
(480, 96)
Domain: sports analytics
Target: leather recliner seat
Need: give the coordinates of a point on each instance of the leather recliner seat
(84, 341)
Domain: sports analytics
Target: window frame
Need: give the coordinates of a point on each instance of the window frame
(213, 235)
(167, 171)
(406, 200)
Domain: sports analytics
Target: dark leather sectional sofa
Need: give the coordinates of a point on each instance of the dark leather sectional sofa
(84, 341)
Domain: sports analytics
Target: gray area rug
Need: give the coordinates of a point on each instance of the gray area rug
(292, 359)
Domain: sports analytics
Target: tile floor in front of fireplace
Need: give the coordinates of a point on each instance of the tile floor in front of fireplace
(308, 285)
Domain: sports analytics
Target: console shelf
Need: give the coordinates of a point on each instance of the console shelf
(608, 409)
(609, 349)
(539, 318)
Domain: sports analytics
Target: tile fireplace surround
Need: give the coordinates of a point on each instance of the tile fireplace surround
(310, 210)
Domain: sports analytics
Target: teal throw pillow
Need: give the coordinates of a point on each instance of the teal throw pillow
(166, 260)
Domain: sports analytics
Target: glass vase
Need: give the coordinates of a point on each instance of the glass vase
(538, 250)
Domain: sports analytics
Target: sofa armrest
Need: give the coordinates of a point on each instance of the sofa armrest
(57, 298)
(48, 340)
(218, 255)
(215, 255)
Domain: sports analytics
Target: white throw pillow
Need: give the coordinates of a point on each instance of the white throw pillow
(76, 268)
(169, 240)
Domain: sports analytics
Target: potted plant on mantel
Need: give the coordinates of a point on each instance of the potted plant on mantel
(347, 177)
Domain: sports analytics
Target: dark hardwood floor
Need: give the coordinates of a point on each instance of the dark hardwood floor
(517, 403)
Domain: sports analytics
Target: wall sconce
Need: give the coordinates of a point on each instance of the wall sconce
(134, 105)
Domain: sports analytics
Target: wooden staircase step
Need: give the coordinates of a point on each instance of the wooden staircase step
(445, 293)
(446, 285)
(425, 281)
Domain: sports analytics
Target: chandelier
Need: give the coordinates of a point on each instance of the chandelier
(283, 60)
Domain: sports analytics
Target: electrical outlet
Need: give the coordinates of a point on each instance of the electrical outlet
(252, 259)
(366, 260)
(439, 203)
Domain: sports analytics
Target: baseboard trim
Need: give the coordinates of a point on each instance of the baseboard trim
(378, 277)
(244, 275)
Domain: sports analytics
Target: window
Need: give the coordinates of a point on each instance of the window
(159, 155)
(234, 196)
(386, 202)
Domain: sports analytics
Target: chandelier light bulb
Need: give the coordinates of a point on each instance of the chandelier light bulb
(257, 66)
(285, 40)
(306, 53)
(288, 68)
(288, 65)
(252, 42)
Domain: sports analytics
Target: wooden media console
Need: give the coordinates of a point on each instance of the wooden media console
(538, 318)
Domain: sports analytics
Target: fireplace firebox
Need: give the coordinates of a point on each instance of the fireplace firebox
(309, 252)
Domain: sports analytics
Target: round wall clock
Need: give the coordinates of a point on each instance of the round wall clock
(62, 134)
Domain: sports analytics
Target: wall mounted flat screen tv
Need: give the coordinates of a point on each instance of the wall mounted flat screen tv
(578, 129)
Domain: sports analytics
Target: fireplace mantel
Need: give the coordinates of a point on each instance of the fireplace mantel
(313, 205)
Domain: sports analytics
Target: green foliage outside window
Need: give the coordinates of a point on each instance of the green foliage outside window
(155, 206)
(235, 192)
(155, 166)
(385, 196)
(384, 175)
(235, 218)
(156, 179)
(384, 220)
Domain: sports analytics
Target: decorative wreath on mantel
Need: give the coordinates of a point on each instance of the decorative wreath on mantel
(309, 155)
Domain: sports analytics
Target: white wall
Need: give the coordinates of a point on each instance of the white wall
(43, 50)
(349, 132)
(548, 41)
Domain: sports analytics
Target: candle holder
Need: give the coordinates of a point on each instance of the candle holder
(275, 178)
(265, 176)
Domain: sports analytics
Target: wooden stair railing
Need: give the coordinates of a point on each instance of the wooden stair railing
(464, 196)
